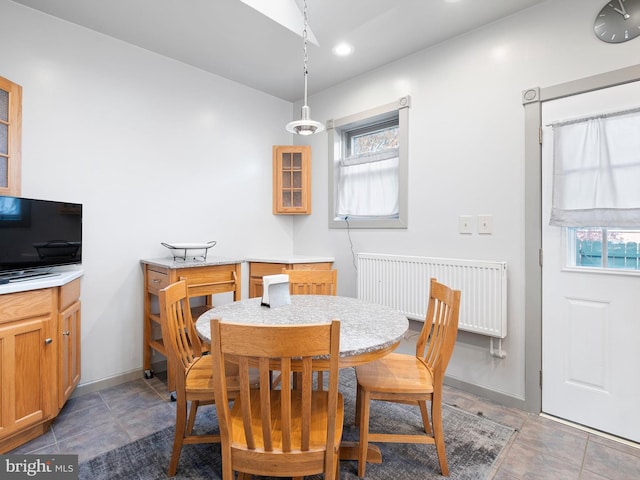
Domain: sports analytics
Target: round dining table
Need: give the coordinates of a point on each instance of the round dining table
(368, 331)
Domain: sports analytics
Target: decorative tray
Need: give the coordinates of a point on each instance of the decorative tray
(189, 251)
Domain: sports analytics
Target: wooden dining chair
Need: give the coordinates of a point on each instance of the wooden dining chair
(281, 432)
(312, 282)
(192, 371)
(413, 379)
(206, 285)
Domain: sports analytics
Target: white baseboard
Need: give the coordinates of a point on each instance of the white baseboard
(108, 382)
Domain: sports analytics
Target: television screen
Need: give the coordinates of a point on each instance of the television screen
(38, 233)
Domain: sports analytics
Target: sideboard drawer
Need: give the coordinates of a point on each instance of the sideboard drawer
(262, 269)
(312, 266)
(156, 281)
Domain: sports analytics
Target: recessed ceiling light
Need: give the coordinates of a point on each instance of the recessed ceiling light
(342, 49)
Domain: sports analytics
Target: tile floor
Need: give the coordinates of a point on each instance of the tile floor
(541, 448)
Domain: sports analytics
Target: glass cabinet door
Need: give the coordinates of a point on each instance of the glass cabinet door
(291, 180)
(10, 137)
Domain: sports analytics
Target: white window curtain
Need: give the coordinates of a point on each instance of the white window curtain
(369, 189)
(596, 171)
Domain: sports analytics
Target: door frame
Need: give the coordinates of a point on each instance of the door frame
(532, 100)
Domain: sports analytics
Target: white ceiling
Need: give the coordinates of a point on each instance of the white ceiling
(231, 39)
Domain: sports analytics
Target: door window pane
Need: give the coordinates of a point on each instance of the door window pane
(620, 251)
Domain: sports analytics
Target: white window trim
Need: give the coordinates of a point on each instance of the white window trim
(334, 130)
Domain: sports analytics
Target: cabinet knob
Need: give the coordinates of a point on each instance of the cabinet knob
(66, 333)
(155, 280)
(47, 341)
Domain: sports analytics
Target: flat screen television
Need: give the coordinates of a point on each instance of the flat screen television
(36, 235)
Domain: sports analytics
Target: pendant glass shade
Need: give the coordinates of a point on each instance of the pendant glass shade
(305, 126)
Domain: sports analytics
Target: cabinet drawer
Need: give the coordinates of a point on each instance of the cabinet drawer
(156, 281)
(262, 269)
(20, 305)
(311, 266)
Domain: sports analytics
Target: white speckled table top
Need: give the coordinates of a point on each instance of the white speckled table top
(172, 263)
(365, 328)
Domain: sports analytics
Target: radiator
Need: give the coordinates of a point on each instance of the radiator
(402, 282)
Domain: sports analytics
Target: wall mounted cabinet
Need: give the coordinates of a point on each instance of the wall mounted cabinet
(10, 137)
(291, 180)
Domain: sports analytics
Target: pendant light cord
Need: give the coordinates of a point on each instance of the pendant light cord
(305, 126)
(306, 56)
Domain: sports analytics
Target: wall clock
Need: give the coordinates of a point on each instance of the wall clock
(618, 21)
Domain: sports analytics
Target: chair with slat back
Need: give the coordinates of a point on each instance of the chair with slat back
(312, 282)
(192, 371)
(207, 286)
(413, 379)
(282, 432)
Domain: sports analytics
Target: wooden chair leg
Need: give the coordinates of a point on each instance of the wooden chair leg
(178, 438)
(192, 416)
(363, 445)
(275, 381)
(425, 417)
(438, 434)
(358, 400)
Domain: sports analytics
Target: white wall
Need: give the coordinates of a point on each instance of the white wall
(466, 155)
(159, 151)
(155, 150)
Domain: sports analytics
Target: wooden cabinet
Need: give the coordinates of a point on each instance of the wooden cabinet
(291, 179)
(257, 270)
(218, 275)
(10, 137)
(32, 356)
(69, 340)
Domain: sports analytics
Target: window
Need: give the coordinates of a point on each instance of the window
(368, 163)
(596, 173)
(619, 252)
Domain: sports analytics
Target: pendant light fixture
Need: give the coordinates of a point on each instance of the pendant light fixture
(305, 126)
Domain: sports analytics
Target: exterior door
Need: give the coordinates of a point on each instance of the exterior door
(590, 319)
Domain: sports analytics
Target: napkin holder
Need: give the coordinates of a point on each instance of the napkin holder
(275, 291)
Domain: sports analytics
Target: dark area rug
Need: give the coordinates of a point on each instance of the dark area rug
(473, 444)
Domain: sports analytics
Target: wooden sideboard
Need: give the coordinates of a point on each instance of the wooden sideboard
(221, 275)
(261, 266)
(39, 356)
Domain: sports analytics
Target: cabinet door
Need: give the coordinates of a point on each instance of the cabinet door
(69, 354)
(10, 137)
(292, 179)
(27, 357)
